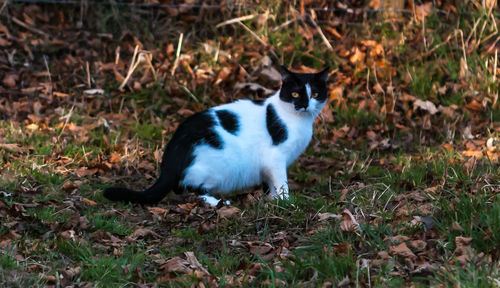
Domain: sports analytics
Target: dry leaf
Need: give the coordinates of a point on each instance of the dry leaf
(10, 80)
(474, 106)
(262, 249)
(158, 211)
(349, 223)
(228, 211)
(425, 105)
(13, 147)
(115, 157)
(402, 250)
(89, 202)
(143, 233)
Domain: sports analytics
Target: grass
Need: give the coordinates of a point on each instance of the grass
(411, 188)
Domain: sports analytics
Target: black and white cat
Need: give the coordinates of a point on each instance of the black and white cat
(240, 144)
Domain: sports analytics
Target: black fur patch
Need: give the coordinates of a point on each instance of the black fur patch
(228, 120)
(178, 155)
(275, 126)
(258, 102)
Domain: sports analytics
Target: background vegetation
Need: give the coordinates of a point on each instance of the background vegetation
(399, 186)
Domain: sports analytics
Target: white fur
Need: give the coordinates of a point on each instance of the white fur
(249, 157)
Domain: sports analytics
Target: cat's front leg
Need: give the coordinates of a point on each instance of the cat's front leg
(278, 183)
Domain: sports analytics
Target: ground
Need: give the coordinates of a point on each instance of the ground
(398, 187)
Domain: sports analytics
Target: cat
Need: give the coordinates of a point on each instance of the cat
(240, 144)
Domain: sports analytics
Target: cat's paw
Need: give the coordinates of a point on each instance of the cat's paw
(282, 193)
(210, 200)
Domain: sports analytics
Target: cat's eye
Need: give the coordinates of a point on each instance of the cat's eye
(295, 95)
(314, 95)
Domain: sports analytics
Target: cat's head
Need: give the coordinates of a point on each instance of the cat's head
(306, 92)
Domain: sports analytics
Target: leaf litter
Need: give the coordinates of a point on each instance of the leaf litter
(65, 118)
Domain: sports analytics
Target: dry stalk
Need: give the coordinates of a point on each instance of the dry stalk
(133, 65)
(3, 6)
(235, 20)
(48, 72)
(260, 40)
(28, 27)
(66, 121)
(88, 74)
(323, 37)
(177, 54)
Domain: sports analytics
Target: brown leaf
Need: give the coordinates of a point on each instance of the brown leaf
(187, 207)
(176, 265)
(68, 187)
(158, 211)
(474, 106)
(104, 236)
(194, 262)
(143, 232)
(228, 212)
(115, 157)
(262, 249)
(349, 223)
(89, 202)
(402, 250)
(71, 273)
(84, 171)
(14, 147)
(10, 80)
(68, 235)
(418, 244)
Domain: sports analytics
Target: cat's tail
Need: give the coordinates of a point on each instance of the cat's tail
(152, 195)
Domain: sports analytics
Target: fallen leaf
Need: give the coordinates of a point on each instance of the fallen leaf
(143, 233)
(474, 106)
(10, 80)
(349, 223)
(402, 250)
(158, 211)
(262, 249)
(14, 147)
(115, 157)
(89, 202)
(228, 211)
(425, 105)
(187, 207)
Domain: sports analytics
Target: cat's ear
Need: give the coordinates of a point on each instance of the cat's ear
(323, 75)
(285, 73)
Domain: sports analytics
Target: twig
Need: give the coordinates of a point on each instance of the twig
(32, 29)
(423, 30)
(48, 71)
(277, 59)
(438, 45)
(68, 116)
(320, 31)
(177, 54)
(234, 20)
(252, 33)
(131, 68)
(3, 6)
(88, 74)
(284, 24)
